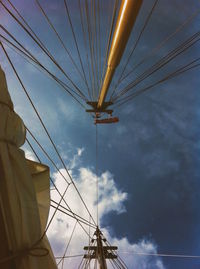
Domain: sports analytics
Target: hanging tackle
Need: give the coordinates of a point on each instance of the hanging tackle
(98, 113)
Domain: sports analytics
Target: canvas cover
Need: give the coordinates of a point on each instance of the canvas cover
(24, 196)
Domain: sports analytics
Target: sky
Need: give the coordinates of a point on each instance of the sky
(148, 163)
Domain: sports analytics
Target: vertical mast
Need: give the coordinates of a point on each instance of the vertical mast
(100, 251)
(128, 12)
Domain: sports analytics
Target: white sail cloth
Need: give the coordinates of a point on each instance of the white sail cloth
(24, 196)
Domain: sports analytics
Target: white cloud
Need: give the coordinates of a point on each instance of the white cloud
(110, 199)
(127, 250)
(75, 160)
(29, 155)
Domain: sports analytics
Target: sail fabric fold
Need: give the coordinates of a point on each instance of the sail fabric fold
(24, 196)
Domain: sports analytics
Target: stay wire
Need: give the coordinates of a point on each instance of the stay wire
(162, 43)
(115, 252)
(135, 45)
(76, 44)
(109, 41)
(75, 216)
(96, 48)
(117, 265)
(70, 239)
(57, 208)
(90, 47)
(67, 209)
(85, 46)
(111, 262)
(158, 65)
(169, 76)
(47, 155)
(95, 43)
(30, 145)
(163, 61)
(41, 121)
(32, 58)
(93, 39)
(99, 39)
(132, 96)
(27, 25)
(162, 255)
(33, 61)
(70, 256)
(44, 50)
(62, 197)
(60, 39)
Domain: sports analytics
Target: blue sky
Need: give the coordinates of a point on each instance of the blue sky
(149, 160)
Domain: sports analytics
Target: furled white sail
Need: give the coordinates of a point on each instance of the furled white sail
(24, 196)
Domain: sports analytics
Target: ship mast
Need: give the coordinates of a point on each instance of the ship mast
(127, 15)
(100, 252)
(128, 12)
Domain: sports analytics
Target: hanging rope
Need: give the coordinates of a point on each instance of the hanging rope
(97, 181)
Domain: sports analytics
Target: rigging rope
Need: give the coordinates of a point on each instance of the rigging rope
(44, 49)
(85, 46)
(60, 39)
(163, 42)
(75, 216)
(162, 255)
(76, 44)
(47, 155)
(46, 131)
(179, 71)
(70, 256)
(109, 42)
(70, 239)
(165, 60)
(31, 57)
(90, 47)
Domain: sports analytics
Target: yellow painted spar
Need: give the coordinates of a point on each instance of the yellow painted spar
(126, 18)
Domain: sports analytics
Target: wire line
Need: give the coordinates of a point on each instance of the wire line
(163, 42)
(44, 49)
(179, 71)
(165, 60)
(47, 132)
(135, 45)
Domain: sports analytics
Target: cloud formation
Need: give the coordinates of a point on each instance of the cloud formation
(111, 199)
